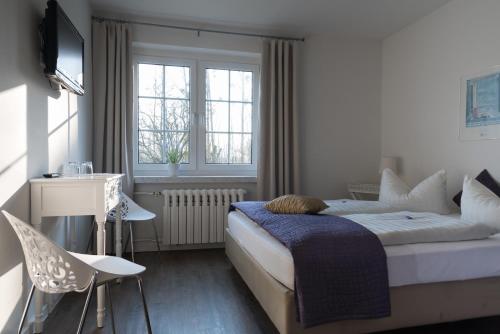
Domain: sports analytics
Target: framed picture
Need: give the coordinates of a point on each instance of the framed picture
(480, 105)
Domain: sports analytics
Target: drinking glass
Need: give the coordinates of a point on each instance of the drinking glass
(71, 168)
(87, 168)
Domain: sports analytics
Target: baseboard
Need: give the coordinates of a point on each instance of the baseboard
(148, 245)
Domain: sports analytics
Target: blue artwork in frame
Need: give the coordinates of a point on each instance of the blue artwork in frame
(480, 105)
(483, 101)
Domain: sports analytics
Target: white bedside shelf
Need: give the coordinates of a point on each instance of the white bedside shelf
(357, 189)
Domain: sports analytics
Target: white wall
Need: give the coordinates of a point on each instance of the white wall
(163, 36)
(39, 130)
(422, 67)
(339, 114)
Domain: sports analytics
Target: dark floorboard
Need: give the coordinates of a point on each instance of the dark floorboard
(199, 292)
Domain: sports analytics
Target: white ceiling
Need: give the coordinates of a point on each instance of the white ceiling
(365, 18)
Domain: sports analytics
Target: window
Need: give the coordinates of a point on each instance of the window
(163, 105)
(229, 116)
(205, 111)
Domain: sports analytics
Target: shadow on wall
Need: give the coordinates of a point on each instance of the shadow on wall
(24, 152)
(12, 270)
(40, 129)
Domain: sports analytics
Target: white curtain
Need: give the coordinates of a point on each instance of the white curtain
(278, 164)
(112, 100)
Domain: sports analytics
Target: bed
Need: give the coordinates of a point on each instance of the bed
(429, 283)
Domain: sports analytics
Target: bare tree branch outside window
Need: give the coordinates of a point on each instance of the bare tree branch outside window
(164, 112)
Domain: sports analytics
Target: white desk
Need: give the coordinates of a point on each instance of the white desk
(93, 194)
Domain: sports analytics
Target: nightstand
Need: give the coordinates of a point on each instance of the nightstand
(357, 190)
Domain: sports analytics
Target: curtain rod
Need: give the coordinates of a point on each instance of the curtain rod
(198, 30)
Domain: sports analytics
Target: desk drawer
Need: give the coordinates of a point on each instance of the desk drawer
(66, 200)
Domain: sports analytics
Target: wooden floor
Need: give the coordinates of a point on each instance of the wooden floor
(199, 292)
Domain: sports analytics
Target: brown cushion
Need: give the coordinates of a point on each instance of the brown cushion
(296, 204)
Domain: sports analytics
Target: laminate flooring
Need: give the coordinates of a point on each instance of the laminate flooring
(191, 292)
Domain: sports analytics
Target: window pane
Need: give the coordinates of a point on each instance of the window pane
(247, 117)
(150, 114)
(217, 148)
(241, 86)
(247, 86)
(176, 141)
(177, 82)
(217, 116)
(241, 117)
(150, 147)
(237, 121)
(150, 80)
(217, 82)
(240, 149)
(236, 117)
(177, 115)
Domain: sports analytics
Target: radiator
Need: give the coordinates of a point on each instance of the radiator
(197, 216)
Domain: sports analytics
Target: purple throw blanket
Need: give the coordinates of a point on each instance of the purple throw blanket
(340, 266)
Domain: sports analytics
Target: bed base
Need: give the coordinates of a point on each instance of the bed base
(412, 305)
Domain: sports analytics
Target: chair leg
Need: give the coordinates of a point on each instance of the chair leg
(91, 236)
(86, 306)
(156, 234)
(146, 314)
(127, 241)
(111, 308)
(26, 307)
(113, 238)
(131, 234)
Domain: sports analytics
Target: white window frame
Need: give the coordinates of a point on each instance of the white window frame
(166, 61)
(198, 63)
(231, 169)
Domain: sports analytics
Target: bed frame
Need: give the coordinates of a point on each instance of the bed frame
(412, 305)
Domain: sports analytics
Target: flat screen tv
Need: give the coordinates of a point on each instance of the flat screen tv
(62, 49)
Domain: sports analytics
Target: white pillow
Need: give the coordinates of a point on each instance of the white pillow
(427, 196)
(479, 204)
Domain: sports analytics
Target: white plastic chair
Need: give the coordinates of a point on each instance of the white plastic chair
(55, 270)
(131, 212)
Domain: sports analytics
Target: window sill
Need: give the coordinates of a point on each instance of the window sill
(194, 179)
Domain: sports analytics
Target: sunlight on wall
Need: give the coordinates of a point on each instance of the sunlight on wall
(10, 296)
(58, 130)
(57, 113)
(13, 160)
(62, 129)
(35, 135)
(73, 127)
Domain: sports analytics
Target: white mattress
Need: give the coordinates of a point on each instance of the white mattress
(407, 264)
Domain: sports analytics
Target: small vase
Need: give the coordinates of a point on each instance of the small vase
(173, 169)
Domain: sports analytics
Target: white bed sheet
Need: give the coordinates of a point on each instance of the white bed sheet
(405, 227)
(396, 227)
(407, 264)
(342, 207)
